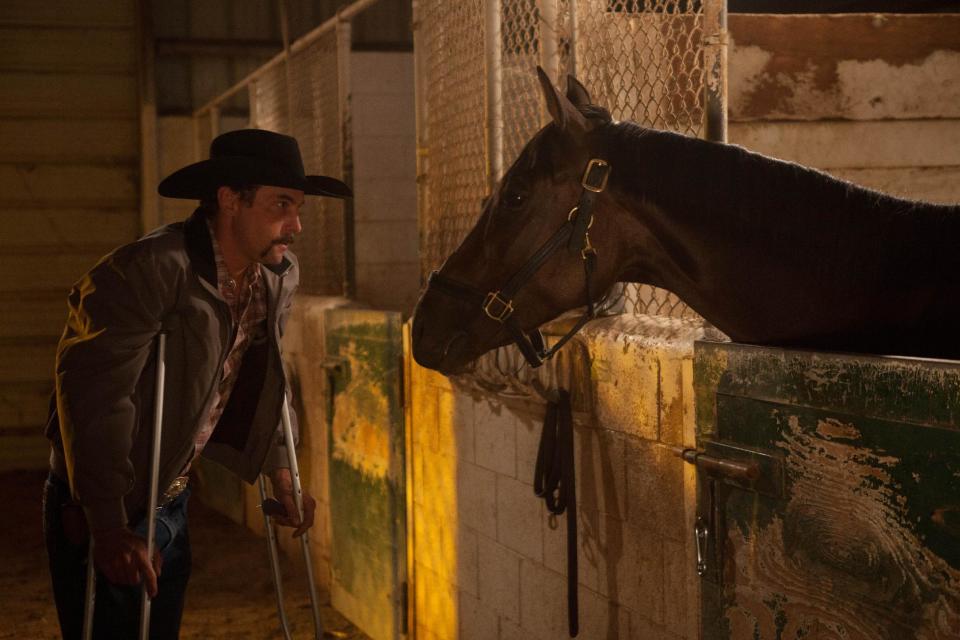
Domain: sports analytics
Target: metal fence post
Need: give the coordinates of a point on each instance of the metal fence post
(344, 32)
(715, 70)
(493, 46)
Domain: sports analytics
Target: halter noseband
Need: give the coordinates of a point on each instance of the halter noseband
(498, 305)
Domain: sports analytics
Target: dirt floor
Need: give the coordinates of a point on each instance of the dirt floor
(230, 593)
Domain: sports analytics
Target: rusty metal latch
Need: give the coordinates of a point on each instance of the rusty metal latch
(725, 464)
(737, 470)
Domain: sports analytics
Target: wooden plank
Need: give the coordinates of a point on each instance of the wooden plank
(86, 50)
(56, 271)
(68, 13)
(860, 67)
(29, 314)
(24, 405)
(86, 186)
(69, 141)
(68, 228)
(848, 144)
(935, 184)
(19, 453)
(29, 95)
(27, 360)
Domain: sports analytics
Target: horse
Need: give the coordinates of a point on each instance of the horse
(769, 252)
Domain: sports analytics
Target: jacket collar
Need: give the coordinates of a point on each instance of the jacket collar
(200, 250)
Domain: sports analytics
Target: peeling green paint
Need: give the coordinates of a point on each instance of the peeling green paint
(366, 466)
(865, 539)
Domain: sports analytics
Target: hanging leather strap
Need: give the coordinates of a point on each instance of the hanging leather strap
(554, 480)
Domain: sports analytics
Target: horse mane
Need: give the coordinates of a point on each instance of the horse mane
(683, 174)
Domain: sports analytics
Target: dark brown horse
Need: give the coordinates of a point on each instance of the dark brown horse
(769, 252)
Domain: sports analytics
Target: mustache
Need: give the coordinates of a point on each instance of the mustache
(287, 239)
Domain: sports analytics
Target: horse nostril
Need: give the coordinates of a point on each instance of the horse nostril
(455, 340)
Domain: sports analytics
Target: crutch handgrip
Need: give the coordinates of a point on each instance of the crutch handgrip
(91, 591)
(273, 507)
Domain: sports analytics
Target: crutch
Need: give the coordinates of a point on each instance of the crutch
(272, 507)
(151, 507)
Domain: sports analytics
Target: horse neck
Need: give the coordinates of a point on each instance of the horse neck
(727, 229)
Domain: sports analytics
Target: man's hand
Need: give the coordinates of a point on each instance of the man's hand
(283, 491)
(121, 555)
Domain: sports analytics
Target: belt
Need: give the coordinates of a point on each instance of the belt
(176, 487)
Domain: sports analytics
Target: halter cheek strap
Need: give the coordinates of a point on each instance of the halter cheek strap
(498, 305)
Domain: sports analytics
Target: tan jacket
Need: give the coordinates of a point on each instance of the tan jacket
(105, 372)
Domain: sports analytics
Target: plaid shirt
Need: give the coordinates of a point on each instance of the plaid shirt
(248, 306)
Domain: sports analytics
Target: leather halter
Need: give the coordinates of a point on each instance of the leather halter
(498, 305)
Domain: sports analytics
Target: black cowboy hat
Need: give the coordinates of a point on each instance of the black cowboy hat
(249, 157)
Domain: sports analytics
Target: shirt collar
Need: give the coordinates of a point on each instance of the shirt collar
(224, 280)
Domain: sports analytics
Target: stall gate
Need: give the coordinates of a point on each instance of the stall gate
(849, 526)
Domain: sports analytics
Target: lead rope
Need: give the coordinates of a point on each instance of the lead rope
(554, 480)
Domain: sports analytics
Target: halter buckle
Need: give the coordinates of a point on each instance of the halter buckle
(595, 176)
(506, 307)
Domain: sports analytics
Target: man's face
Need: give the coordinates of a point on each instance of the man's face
(264, 229)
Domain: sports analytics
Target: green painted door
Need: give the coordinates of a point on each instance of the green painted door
(851, 527)
(366, 462)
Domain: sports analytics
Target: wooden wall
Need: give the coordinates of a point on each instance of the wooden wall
(69, 184)
(874, 99)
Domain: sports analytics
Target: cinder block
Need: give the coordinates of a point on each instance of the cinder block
(477, 498)
(528, 440)
(477, 622)
(386, 242)
(463, 418)
(655, 486)
(600, 617)
(642, 628)
(555, 545)
(499, 573)
(626, 382)
(601, 469)
(392, 287)
(379, 114)
(386, 156)
(468, 563)
(543, 600)
(519, 513)
(680, 591)
(381, 198)
(496, 438)
(639, 574)
(672, 398)
(381, 72)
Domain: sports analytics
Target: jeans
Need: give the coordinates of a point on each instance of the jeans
(117, 612)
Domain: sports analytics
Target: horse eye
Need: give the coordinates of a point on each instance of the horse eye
(514, 199)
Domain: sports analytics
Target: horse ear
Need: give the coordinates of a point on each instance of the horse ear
(564, 113)
(577, 93)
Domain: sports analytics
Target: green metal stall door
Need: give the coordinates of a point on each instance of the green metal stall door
(851, 527)
(366, 461)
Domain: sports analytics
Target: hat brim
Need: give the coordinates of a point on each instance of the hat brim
(201, 179)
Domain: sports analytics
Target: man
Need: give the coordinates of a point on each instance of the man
(220, 285)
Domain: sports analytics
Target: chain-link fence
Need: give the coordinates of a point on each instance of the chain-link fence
(304, 92)
(645, 60)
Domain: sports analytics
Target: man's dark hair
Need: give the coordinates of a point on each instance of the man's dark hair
(209, 205)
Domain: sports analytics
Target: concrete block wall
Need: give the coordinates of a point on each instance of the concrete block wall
(490, 562)
(384, 179)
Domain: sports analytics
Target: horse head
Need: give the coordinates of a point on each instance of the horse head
(546, 242)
